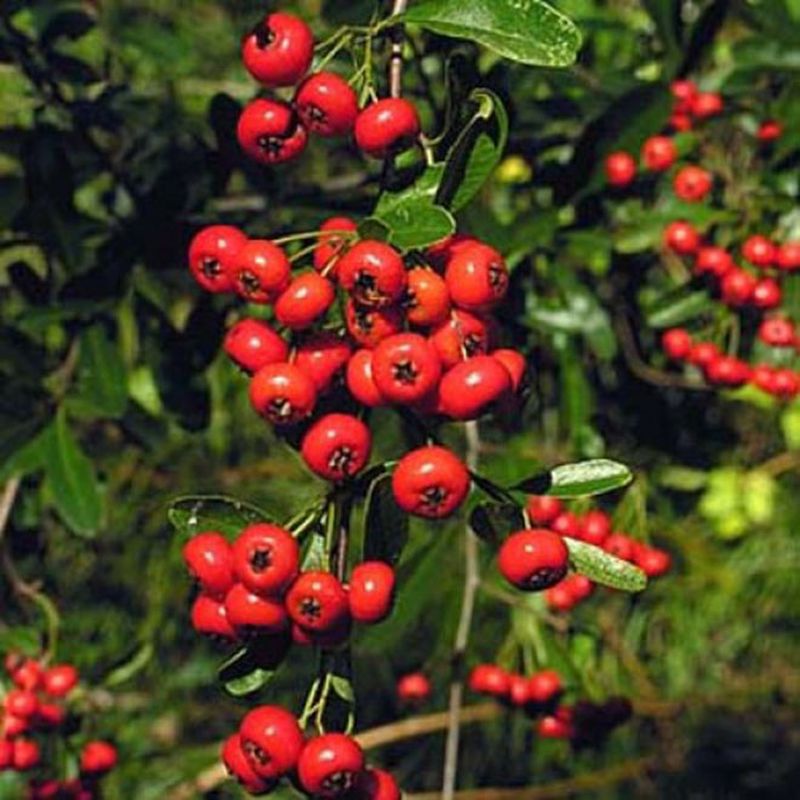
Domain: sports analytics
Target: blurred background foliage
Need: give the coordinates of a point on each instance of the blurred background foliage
(116, 144)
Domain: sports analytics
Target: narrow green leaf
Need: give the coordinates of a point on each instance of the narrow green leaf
(227, 515)
(582, 479)
(603, 568)
(385, 525)
(677, 308)
(253, 666)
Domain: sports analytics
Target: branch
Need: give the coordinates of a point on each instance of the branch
(396, 57)
(10, 491)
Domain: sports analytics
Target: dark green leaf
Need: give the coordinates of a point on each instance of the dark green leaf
(494, 521)
(27, 641)
(227, 515)
(583, 479)
(241, 675)
(22, 448)
(372, 228)
(102, 382)
(71, 24)
(385, 525)
(678, 307)
(603, 568)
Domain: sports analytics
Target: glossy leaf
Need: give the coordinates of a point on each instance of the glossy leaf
(385, 524)
(678, 307)
(243, 673)
(603, 568)
(492, 522)
(227, 515)
(582, 479)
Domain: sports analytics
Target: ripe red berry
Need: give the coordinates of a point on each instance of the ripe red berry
(692, 183)
(489, 679)
(519, 693)
(209, 560)
(545, 686)
(405, 368)
(332, 245)
(373, 273)
(413, 688)
(266, 559)
(620, 545)
(430, 482)
(703, 353)
(767, 293)
(677, 343)
(515, 364)
(714, 261)
(759, 251)
(659, 153)
(21, 703)
(470, 388)
(376, 784)
(360, 380)
(322, 356)
(261, 271)
(6, 754)
(252, 344)
(737, 287)
(769, 131)
(786, 384)
(441, 252)
(12, 727)
(533, 559)
(27, 754)
(579, 586)
(426, 300)
(706, 104)
(543, 509)
(462, 336)
(371, 592)
(240, 768)
(370, 326)
(652, 561)
(387, 127)
(50, 715)
(727, 371)
(250, 613)
(595, 527)
(307, 298)
(682, 237)
(336, 447)
(684, 92)
(282, 393)
(777, 332)
(763, 377)
(270, 132)
(317, 601)
(560, 597)
(212, 254)
(567, 524)
(278, 51)
(555, 726)
(28, 675)
(680, 122)
(476, 277)
(620, 168)
(60, 680)
(271, 740)
(787, 256)
(330, 764)
(97, 758)
(327, 104)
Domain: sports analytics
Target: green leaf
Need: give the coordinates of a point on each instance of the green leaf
(22, 448)
(227, 515)
(385, 525)
(494, 521)
(27, 641)
(678, 307)
(582, 479)
(102, 384)
(72, 480)
(603, 568)
(253, 666)
(528, 31)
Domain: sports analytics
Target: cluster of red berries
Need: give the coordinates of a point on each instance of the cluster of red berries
(254, 587)
(278, 53)
(33, 706)
(270, 746)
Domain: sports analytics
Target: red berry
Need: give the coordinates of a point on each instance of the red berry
(579, 586)
(545, 686)
(266, 559)
(98, 757)
(763, 377)
(706, 104)
(566, 524)
(787, 256)
(261, 271)
(336, 447)
(767, 293)
(26, 754)
(239, 767)
(60, 680)
(251, 613)
(684, 92)
(282, 393)
(682, 237)
(652, 561)
(703, 354)
(322, 356)
(489, 679)
(462, 336)
(680, 122)
(371, 592)
(620, 545)
(430, 482)
(212, 254)
(543, 509)
(376, 784)
(414, 688)
(786, 384)
(470, 388)
(659, 153)
(769, 131)
(307, 298)
(533, 559)
(737, 287)
(330, 764)
(620, 168)
(515, 364)
(21, 703)
(317, 601)
(759, 251)
(426, 300)
(441, 252)
(727, 371)
(677, 343)
(373, 273)
(252, 344)
(692, 183)
(777, 332)
(560, 597)
(332, 245)
(327, 104)
(476, 277)
(405, 368)
(278, 51)
(595, 527)
(360, 380)
(209, 560)
(369, 326)
(270, 132)
(554, 727)
(519, 691)
(714, 261)
(387, 127)
(14, 726)
(271, 740)
(50, 715)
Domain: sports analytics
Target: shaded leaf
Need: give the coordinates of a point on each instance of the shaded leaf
(385, 524)
(582, 479)
(102, 380)
(494, 521)
(677, 307)
(227, 515)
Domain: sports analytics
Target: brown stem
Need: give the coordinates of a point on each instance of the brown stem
(396, 57)
(10, 491)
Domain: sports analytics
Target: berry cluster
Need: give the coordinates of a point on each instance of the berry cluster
(31, 708)
(270, 746)
(278, 52)
(253, 587)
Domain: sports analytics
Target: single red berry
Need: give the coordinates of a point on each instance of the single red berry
(271, 740)
(462, 336)
(28, 675)
(330, 764)
(680, 122)
(533, 559)
(317, 601)
(692, 183)
(560, 598)
(405, 368)
(430, 482)
(489, 679)
(371, 592)
(787, 256)
(476, 277)
(684, 92)
(50, 715)
(336, 446)
(659, 153)
(250, 613)
(767, 293)
(567, 524)
(278, 51)
(323, 356)
(387, 127)
(27, 754)
(21, 703)
(240, 768)
(376, 784)
(727, 371)
(545, 686)
(373, 273)
(579, 586)
(266, 559)
(543, 509)
(677, 343)
(11, 727)
(426, 300)
(620, 168)
(777, 332)
(370, 326)
(60, 680)
(327, 104)
(759, 251)
(786, 384)
(414, 688)
(515, 364)
(769, 131)
(306, 300)
(554, 727)
(360, 380)
(441, 252)
(620, 545)
(98, 757)
(252, 344)
(707, 104)
(270, 132)
(519, 691)
(703, 353)
(595, 527)
(469, 389)
(681, 237)
(714, 261)
(261, 271)
(209, 560)
(212, 254)
(282, 393)
(331, 245)
(653, 562)
(6, 754)
(762, 376)
(737, 287)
